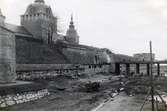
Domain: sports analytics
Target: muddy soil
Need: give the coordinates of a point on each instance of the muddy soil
(69, 94)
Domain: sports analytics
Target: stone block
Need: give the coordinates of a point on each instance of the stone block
(3, 105)
(10, 102)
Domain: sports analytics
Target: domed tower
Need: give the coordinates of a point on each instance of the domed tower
(2, 19)
(72, 35)
(40, 21)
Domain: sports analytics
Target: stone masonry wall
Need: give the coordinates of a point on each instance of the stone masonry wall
(7, 56)
(93, 69)
(33, 51)
(34, 73)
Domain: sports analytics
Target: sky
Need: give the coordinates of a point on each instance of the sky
(123, 26)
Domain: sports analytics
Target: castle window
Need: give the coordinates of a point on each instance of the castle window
(89, 67)
(100, 66)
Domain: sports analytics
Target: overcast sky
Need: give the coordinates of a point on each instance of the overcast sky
(124, 26)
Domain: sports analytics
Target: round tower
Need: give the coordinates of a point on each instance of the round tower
(7, 54)
(71, 34)
(40, 21)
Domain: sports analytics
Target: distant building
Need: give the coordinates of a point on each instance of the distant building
(123, 58)
(143, 56)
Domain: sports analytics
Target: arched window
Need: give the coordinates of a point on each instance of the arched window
(89, 66)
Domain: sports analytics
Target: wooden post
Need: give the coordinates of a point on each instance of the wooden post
(117, 68)
(148, 69)
(158, 69)
(157, 104)
(128, 69)
(138, 68)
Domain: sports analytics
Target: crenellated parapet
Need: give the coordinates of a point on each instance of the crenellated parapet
(36, 17)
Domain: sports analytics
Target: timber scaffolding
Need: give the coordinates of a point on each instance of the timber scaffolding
(118, 64)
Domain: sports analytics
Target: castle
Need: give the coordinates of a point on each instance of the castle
(35, 50)
(42, 24)
(37, 41)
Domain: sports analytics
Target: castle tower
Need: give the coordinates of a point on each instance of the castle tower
(40, 21)
(71, 35)
(2, 19)
(7, 53)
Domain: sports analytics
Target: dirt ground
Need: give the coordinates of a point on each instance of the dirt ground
(123, 102)
(132, 100)
(69, 94)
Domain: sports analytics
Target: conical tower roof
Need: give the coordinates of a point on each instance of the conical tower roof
(39, 1)
(72, 23)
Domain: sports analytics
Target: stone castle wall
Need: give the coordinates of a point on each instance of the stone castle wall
(94, 69)
(34, 27)
(33, 51)
(36, 71)
(7, 56)
(40, 25)
(81, 55)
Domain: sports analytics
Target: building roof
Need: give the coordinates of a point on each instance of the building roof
(38, 7)
(17, 29)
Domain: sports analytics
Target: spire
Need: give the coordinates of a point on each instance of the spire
(39, 1)
(71, 34)
(72, 22)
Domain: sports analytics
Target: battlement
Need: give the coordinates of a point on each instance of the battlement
(42, 16)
